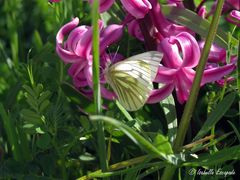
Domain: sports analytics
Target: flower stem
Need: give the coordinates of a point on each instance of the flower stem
(96, 86)
(148, 31)
(12, 136)
(190, 105)
(238, 70)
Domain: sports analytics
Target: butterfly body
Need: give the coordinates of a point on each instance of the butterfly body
(131, 79)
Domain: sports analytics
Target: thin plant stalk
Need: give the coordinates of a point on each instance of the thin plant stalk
(190, 105)
(96, 87)
(11, 134)
(238, 71)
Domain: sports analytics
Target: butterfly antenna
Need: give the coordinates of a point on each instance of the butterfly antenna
(116, 53)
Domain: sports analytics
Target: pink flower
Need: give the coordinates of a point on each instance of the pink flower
(178, 3)
(164, 27)
(134, 30)
(137, 8)
(216, 54)
(202, 11)
(77, 50)
(54, 0)
(181, 55)
(234, 17)
(104, 4)
(234, 3)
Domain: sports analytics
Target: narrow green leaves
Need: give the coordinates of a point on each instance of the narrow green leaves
(196, 23)
(96, 85)
(216, 115)
(157, 151)
(77, 97)
(219, 157)
(168, 106)
(11, 133)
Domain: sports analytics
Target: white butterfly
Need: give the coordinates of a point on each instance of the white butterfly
(131, 79)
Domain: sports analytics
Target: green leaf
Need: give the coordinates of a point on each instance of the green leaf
(37, 40)
(38, 89)
(31, 101)
(43, 141)
(144, 144)
(31, 117)
(162, 144)
(217, 158)
(87, 157)
(77, 97)
(197, 24)
(124, 111)
(235, 130)
(12, 95)
(39, 130)
(219, 111)
(44, 95)
(168, 106)
(30, 128)
(44, 105)
(30, 91)
(11, 133)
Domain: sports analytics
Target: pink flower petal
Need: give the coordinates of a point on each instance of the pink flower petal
(107, 94)
(104, 4)
(190, 49)
(216, 54)
(172, 58)
(217, 73)
(134, 30)
(165, 75)
(160, 94)
(65, 55)
(109, 35)
(234, 17)
(74, 37)
(137, 8)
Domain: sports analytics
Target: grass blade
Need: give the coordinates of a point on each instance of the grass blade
(216, 115)
(11, 134)
(96, 85)
(216, 158)
(168, 106)
(138, 139)
(196, 23)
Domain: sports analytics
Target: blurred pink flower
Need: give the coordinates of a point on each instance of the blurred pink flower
(134, 30)
(234, 17)
(234, 3)
(54, 0)
(181, 55)
(216, 54)
(178, 3)
(202, 11)
(104, 4)
(137, 8)
(77, 50)
(163, 26)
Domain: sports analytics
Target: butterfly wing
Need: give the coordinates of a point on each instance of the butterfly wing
(153, 58)
(131, 79)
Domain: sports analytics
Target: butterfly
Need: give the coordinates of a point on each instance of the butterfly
(131, 79)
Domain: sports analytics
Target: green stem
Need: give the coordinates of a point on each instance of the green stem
(238, 70)
(96, 86)
(11, 134)
(190, 105)
(120, 165)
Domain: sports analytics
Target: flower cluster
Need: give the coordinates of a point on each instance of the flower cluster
(145, 21)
